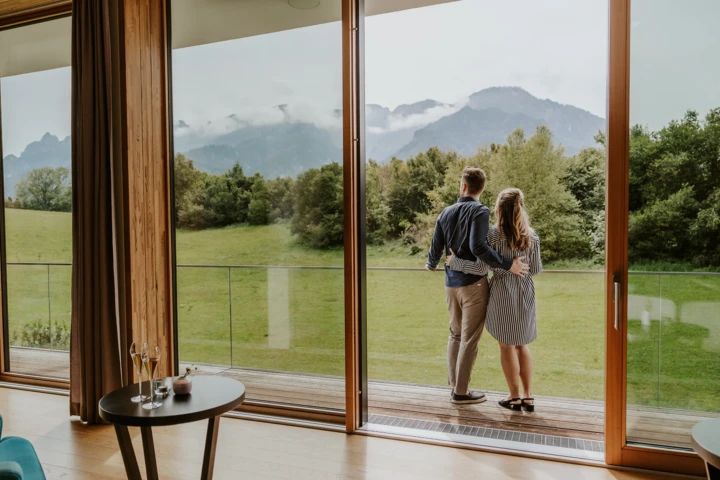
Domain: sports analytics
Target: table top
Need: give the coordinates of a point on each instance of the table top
(706, 441)
(211, 396)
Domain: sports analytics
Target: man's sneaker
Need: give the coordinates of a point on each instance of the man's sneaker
(472, 397)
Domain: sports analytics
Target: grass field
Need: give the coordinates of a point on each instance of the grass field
(292, 319)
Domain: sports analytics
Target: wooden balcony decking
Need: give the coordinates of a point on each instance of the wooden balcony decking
(35, 361)
(580, 419)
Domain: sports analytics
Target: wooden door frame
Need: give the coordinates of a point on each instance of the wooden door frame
(617, 451)
(34, 12)
(353, 26)
(354, 224)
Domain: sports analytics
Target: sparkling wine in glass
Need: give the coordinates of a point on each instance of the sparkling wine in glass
(150, 360)
(137, 362)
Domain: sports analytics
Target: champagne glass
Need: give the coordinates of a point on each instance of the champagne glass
(150, 360)
(137, 362)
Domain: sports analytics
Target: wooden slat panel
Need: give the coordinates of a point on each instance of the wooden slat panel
(148, 173)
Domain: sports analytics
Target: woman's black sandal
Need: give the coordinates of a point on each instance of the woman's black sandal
(511, 404)
(529, 407)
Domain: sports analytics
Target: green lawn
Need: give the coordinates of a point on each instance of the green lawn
(292, 319)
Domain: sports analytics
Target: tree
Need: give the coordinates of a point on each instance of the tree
(660, 230)
(538, 168)
(259, 207)
(674, 180)
(189, 183)
(377, 209)
(705, 232)
(585, 180)
(46, 189)
(280, 192)
(10, 203)
(318, 220)
(410, 185)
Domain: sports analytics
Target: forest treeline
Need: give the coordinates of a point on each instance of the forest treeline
(674, 194)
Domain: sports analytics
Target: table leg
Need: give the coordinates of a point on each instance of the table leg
(713, 473)
(128, 454)
(149, 452)
(210, 444)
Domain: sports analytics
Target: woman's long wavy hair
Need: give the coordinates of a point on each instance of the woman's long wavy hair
(512, 219)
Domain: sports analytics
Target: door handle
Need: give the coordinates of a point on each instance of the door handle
(616, 299)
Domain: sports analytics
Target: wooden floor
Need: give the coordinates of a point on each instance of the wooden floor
(554, 416)
(70, 450)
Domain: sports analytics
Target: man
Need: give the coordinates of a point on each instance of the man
(463, 228)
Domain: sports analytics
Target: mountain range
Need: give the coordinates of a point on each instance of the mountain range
(49, 151)
(295, 144)
(290, 144)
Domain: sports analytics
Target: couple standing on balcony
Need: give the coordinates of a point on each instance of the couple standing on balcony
(511, 249)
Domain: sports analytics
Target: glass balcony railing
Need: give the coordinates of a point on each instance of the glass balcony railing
(291, 319)
(270, 318)
(39, 311)
(674, 340)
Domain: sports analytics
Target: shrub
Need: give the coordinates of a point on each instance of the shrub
(318, 220)
(43, 334)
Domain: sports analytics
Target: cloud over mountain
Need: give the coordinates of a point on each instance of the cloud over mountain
(287, 139)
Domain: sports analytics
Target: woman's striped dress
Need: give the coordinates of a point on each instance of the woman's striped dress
(511, 309)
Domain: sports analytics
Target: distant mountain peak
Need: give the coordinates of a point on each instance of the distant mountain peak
(512, 98)
(49, 151)
(417, 108)
(509, 89)
(49, 138)
(375, 106)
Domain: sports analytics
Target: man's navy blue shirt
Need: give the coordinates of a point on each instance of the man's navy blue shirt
(464, 228)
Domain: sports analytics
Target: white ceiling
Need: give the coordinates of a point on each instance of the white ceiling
(46, 45)
(41, 46)
(209, 21)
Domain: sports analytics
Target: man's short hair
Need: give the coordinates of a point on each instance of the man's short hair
(474, 178)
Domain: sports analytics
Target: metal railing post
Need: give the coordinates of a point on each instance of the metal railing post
(49, 307)
(231, 312)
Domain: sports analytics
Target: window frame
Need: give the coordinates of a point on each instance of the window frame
(9, 20)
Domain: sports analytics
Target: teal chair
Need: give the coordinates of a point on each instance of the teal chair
(18, 460)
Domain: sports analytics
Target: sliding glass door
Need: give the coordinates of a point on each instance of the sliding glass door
(491, 98)
(664, 323)
(36, 219)
(257, 122)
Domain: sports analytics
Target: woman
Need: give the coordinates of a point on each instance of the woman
(511, 308)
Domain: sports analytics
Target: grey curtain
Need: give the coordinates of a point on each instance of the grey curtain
(98, 362)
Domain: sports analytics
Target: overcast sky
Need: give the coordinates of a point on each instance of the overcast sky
(555, 49)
